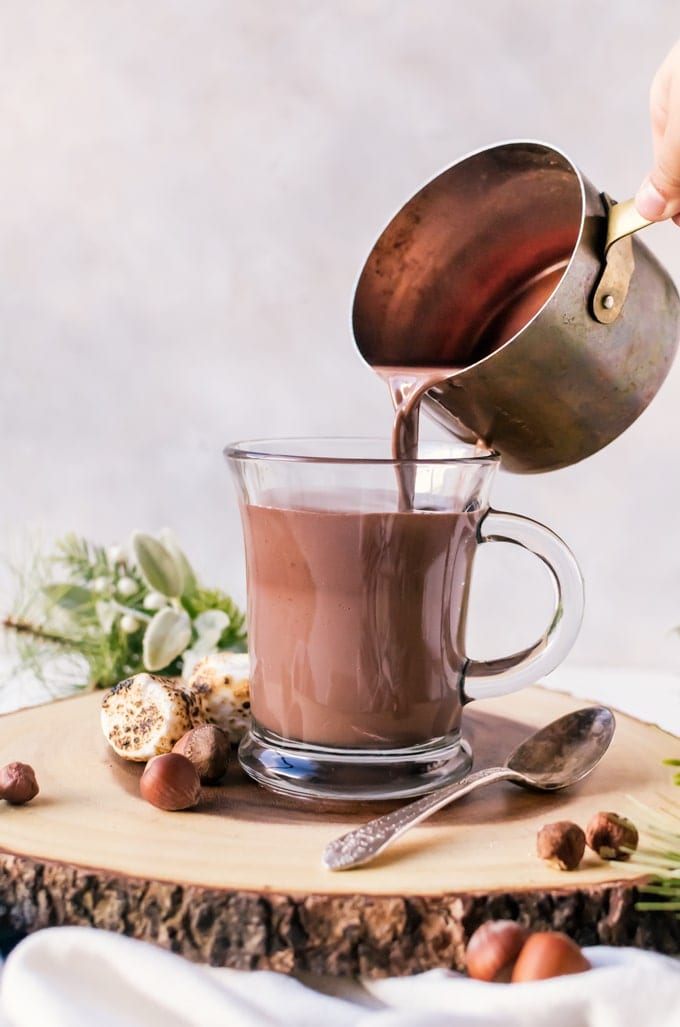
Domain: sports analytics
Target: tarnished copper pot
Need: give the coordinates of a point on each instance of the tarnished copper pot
(553, 327)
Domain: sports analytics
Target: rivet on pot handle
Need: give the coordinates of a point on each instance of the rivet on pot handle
(619, 264)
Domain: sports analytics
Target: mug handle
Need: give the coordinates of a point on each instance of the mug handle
(483, 679)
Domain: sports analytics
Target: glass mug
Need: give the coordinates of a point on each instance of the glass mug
(357, 612)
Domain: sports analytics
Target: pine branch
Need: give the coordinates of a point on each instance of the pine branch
(661, 854)
(30, 629)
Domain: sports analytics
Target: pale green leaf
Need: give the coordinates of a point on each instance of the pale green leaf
(159, 568)
(188, 577)
(209, 627)
(68, 597)
(168, 635)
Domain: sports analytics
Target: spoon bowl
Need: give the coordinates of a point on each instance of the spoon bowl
(564, 751)
(556, 756)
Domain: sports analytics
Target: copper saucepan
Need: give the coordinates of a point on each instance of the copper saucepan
(553, 328)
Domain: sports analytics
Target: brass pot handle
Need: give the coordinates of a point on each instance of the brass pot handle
(623, 220)
(618, 262)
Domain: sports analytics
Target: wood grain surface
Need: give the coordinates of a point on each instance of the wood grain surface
(239, 880)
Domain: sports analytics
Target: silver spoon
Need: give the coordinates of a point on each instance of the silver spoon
(558, 755)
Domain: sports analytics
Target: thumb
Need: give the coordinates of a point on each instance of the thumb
(659, 195)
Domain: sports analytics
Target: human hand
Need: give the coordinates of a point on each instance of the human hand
(658, 197)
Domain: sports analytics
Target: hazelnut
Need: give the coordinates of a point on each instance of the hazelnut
(208, 748)
(562, 844)
(171, 782)
(493, 948)
(548, 954)
(610, 835)
(18, 784)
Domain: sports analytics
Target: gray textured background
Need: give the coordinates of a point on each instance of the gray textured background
(189, 191)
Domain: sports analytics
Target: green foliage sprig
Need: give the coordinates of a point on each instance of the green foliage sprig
(124, 613)
(661, 854)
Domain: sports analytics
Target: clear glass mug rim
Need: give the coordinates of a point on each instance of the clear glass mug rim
(283, 450)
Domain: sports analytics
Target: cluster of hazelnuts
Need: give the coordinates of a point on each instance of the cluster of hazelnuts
(173, 780)
(504, 951)
(609, 835)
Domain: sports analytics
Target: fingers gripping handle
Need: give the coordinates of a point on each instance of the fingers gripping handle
(486, 678)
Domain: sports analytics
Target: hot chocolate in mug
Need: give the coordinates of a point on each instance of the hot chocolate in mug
(357, 612)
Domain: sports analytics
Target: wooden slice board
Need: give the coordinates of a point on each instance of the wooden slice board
(239, 881)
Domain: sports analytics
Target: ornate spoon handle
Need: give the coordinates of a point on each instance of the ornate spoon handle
(364, 843)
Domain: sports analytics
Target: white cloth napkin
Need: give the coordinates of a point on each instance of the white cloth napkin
(81, 977)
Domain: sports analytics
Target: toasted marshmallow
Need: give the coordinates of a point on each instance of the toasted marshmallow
(143, 716)
(219, 685)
